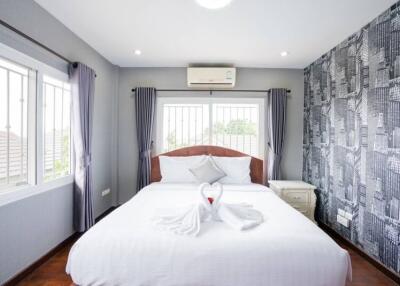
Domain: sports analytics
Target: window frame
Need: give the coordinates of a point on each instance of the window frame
(35, 167)
(210, 100)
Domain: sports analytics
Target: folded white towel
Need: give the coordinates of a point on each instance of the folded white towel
(239, 216)
(187, 220)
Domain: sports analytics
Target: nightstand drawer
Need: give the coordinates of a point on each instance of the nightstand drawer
(296, 196)
(303, 208)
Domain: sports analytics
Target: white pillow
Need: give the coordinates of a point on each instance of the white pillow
(176, 169)
(207, 171)
(237, 169)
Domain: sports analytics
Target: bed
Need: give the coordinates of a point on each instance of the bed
(287, 249)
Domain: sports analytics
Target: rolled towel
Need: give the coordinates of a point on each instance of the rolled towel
(240, 216)
(183, 221)
(186, 220)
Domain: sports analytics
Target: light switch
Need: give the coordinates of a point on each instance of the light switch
(342, 220)
(105, 192)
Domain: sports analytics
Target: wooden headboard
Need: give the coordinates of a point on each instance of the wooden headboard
(256, 165)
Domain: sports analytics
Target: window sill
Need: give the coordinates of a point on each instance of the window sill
(23, 192)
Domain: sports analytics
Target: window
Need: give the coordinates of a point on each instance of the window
(236, 126)
(184, 125)
(233, 123)
(14, 99)
(56, 128)
(35, 123)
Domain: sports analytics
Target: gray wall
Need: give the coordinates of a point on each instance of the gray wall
(176, 78)
(32, 226)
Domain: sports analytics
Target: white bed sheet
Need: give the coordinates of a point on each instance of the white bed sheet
(286, 250)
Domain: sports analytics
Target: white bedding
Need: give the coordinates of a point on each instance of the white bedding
(286, 250)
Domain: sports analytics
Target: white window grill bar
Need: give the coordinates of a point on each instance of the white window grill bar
(188, 125)
(182, 121)
(250, 136)
(230, 135)
(8, 128)
(224, 121)
(202, 124)
(174, 128)
(44, 126)
(62, 125)
(54, 133)
(22, 130)
(195, 125)
(168, 126)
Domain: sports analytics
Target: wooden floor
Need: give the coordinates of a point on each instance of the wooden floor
(52, 272)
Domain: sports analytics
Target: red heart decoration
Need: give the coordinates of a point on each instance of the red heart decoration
(210, 200)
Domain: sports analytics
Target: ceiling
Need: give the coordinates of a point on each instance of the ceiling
(247, 33)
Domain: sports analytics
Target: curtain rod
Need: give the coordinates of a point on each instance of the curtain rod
(29, 38)
(34, 41)
(217, 90)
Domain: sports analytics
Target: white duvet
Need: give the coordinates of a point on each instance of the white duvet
(286, 250)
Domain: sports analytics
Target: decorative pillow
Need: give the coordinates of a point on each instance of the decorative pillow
(176, 169)
(237, 169)
(207, 171)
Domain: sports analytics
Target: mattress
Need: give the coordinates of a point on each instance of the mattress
(125, 248)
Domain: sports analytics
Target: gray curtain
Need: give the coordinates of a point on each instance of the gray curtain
(83, 81)
(145, 104)
(276, 121)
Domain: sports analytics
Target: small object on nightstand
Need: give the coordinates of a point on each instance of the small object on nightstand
(298, 194)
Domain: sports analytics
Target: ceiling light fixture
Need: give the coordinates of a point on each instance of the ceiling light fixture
(138, 52)
(284, 54)
(213, 4)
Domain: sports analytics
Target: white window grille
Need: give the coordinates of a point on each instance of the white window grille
(235, 123)
(35, 125)
(14, 88)
(56, 128)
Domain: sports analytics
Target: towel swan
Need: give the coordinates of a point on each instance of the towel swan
(187, 220)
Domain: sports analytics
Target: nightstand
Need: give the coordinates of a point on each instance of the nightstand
(298, 194)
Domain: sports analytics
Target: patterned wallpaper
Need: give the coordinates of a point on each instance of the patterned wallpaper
(351, 143)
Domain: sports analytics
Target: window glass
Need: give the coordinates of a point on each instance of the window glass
(232, 123)
(185, 125)
(13, 124)
(56, 128)
(236, 126)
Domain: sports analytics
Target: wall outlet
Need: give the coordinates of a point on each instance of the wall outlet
(342, 220)
(349, 216)
(105, 192)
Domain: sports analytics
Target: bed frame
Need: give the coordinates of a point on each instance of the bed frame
(256, 165)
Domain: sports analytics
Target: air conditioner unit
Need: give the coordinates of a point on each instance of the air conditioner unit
(211, 77)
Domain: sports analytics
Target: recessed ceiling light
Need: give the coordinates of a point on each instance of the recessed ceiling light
(213, 4)
(138, 52)
(284, 54)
